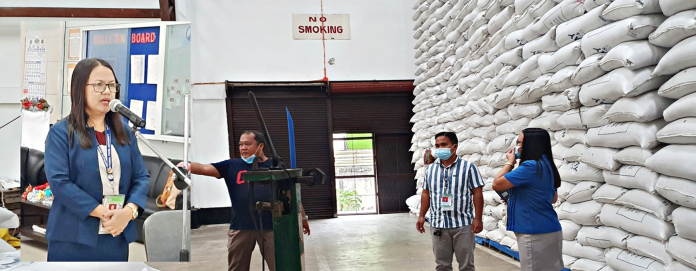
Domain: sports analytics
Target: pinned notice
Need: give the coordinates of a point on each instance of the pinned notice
(137, 69)
(151, 121)
(153, 69)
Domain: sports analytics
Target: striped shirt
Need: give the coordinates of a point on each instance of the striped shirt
(457, 180)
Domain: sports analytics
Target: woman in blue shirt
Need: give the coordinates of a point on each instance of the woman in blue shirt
(532, 188)
(92, 156)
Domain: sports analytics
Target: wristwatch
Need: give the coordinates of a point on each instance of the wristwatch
(134, 208)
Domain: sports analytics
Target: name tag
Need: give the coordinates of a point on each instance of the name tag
(111, 202)
(446, 203)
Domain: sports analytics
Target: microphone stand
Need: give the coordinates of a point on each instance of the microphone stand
(184, 254)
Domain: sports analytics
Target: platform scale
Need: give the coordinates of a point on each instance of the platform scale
(284, 185)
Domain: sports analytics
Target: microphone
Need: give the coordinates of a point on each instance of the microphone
(116, 106)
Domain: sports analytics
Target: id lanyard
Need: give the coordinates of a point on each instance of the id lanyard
(447, 197)
(107, 159)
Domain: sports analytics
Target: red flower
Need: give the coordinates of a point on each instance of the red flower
(40, 106)
(26, 104)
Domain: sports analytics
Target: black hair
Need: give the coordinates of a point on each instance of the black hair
(452, 137)
(536, 143)
(77, 119)
(258, 136)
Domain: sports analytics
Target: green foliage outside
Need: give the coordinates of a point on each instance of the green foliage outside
(348, 200)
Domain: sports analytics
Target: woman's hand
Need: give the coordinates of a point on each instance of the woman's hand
(117, 220)
(510, 155)
(305, 227)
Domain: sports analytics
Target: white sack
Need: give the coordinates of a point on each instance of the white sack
(634, 28)
(632, 55)
(608, 193)
(495, 235)
(633, 177)
(677, 190)
(537, 88)
(568, 260)
(498, 20)
(575, 29)
(501, 143)
(677, 266)
(643, 108)
(563, 12)
(518, 111)
(490, 223)
(502, 116)
(547, 120)
(671, 160)
(508, 242)
(671, 7)
(588, 265)
(504, 97)
(559, 151)
(684, 220)
(543, 44)
(575, 249)
(622, 9)
(584, 213)
(564, 190)
(568, 55)
(651, 203)
(680, 85)
(634, 156)
(649, 247)
(603, 237)
(680, 57)
(682, 250)
(636, 221)
(574, 153)
(569, 137)
(570, 229)
(600, 157)
(474, 145)
(588, 70)
(584, 117)
(675, 29)
(621, 135)
(523, 96)
(619, 83)
(583, 191)
(560, 80)
(681, 131)
(620, 259)
(681, 108)
(575, 172)
(496, 211)
(528, 71)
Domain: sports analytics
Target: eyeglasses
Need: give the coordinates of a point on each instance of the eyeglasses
(100, 87)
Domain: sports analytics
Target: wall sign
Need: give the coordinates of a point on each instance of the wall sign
(318, 27)
(143, 37)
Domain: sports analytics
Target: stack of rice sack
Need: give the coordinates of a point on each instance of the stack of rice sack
(609, 80)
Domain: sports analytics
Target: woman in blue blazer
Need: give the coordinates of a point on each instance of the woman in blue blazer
(92, 155)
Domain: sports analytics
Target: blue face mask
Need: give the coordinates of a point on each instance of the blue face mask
(251, 158)
(443, 153)
(517, 152)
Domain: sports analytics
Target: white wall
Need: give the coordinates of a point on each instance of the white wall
(10, 94)
(144, 4)
(249, 40)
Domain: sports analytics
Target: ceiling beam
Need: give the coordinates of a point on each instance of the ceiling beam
(111, 13)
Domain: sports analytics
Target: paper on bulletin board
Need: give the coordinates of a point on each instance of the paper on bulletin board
(74, 44)
(137, 69)
(153, 69)
(70, 67)
(137, 107)
(151, 122)
(35, 68)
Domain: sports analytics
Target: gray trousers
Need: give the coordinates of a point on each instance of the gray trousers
(458, 241)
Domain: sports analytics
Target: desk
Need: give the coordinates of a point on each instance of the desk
(33, 214)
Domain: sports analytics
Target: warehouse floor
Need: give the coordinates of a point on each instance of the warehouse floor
(358, 242)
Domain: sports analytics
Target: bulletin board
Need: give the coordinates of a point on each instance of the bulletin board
(134, 55)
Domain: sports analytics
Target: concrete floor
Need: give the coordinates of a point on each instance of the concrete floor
(359, 242)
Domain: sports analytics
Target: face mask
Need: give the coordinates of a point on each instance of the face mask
(443, 153)
(251, 158)
(517, 152)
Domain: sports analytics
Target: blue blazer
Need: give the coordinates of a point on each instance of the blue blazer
(73, 174)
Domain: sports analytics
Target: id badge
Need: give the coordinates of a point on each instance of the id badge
(446, 203)
(111, 202)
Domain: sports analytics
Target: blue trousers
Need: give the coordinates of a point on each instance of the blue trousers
(108, 249)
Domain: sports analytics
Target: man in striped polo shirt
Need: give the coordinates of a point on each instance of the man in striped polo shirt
(452, 190)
